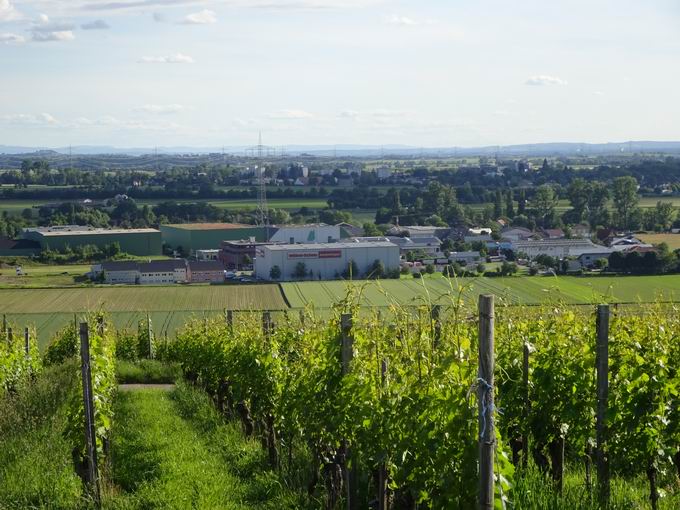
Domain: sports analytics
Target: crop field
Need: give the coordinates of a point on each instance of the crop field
(49, 309)
(672, 240)
(512, 290)
(170, 307)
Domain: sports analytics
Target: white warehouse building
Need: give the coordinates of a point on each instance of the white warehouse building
(324, 261)
(314, 233)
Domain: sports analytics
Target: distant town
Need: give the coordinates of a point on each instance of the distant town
(317, 218)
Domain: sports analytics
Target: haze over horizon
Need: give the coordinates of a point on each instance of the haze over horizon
(135, 73)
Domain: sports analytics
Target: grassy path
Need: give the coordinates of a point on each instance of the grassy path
(171, 450)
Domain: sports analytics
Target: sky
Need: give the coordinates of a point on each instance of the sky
(424, 73)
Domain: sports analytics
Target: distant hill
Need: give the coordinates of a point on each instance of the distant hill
(98, 157)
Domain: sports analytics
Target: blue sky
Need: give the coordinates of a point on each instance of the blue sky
(424, 73)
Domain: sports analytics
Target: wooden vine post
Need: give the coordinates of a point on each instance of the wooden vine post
(92, 472)
(346, 355)
(485, 389)
(148, 335)
(230, 320)
(4, 323)
(267, 324)
(602, 364)
(10, 336)
(27, 342)
(435, 315)
(527, 404)
(383, 497)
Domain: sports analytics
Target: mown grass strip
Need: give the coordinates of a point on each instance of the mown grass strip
(172, 451)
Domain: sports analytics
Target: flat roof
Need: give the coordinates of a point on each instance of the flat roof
(329, 246)
(96, 231)
(208, 226)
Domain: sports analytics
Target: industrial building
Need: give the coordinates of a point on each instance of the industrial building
(18, 247)
(203, 236)
(158, 272)
(238, 255)
(324, 261)
(135, 241)
(429, 246)
(558, 248)
(202, 271)
(313, 233)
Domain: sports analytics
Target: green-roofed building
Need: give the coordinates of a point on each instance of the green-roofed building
(204, 236)
(135, 241)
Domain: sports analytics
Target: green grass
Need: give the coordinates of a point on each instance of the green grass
(36, 470)
(44, 275)
(170, 307)
(533, 490)
(173, 451)
(145, 371)
(513, 290)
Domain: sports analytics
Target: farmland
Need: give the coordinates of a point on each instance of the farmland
(16, 206)
(169, 307)
(672, 240)
(512, 290)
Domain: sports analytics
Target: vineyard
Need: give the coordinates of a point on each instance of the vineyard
(428, 406)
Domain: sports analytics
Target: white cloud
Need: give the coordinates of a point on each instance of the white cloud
(161, 109)
(43, 30)
(349, 114)
(7, 11)
(58, 35)
(204, 17)
(542, 79)
(44, 119)
(98, 24)
(380, 113)
(401, 20)
(177, 58)
(8, 38)
(290, 115)
(598, 93)
(159, 17)
(112, 5)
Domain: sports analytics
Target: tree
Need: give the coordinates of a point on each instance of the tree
(481, 268)
(352, 271)
(578, 194)
(371, 230)
(508, 268)
(429, 269)
(522, 203)
(509, 206)
(279, 216)
(598, 195)
(664, 215)
(624, 191)
(544, 203)
(498, 204)
(300, 270)
(601, 263)
(377, 269)
(275, 273)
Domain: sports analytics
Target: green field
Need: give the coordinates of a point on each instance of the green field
(16, 206)
(672, 240)
(512, 290)
(170, 307)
